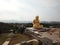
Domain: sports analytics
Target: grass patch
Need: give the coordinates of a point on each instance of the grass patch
(19, 38)
(3, 37)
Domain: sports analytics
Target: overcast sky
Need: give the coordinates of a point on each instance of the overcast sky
(26, 10)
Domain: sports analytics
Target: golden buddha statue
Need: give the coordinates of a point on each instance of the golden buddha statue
(36, 23)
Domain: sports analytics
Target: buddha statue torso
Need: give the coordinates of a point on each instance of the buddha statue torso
(36, 22)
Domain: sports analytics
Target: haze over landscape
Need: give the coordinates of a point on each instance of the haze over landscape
(26, 10)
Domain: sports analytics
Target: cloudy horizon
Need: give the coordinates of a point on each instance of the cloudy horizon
(26, 10)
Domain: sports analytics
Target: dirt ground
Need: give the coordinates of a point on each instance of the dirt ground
(22, 37)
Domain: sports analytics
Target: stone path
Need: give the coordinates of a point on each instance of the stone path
(33, 40)
(6, 43)
(17, 44)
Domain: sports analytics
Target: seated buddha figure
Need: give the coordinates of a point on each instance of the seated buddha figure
(36, 23)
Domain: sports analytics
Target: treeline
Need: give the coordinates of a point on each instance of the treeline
(6, 27)
(54, 25)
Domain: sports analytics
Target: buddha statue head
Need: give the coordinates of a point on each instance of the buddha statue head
(37, 17)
